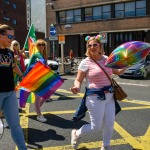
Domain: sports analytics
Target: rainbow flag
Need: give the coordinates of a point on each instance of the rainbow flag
(32, 48)
(42, 81)
(24, 94)
(26, 97)
(31, 98)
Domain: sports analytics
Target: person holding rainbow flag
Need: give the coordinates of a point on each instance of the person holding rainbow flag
(39, 55)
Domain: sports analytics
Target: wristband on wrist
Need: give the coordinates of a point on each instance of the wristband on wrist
(21, 76)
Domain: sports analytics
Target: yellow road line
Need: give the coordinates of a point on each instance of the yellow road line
(137, 102)
(146, 139)
(69, 92)
(73, 111)
(64, 91)
(130, 139)
(148, 132)
(58, 97)
(52, 112)
(89, 145)
(80, 95)
(136, 108)
(93, 145)
(24, 122)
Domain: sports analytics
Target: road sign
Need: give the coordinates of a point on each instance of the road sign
(52, 31)
(53, 38)
(104, 37)
(61, 39)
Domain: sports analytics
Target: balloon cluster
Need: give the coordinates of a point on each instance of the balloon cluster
(97, 37)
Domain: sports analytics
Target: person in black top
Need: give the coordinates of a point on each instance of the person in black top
(8, 100)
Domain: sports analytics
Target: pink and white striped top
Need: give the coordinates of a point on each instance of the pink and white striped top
(95, 77)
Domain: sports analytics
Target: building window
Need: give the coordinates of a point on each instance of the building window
(5, 1)
(106, 11)
(14, 6)
(62, 17)
(69, 16)
(129, 9)
(77, 15)
(119, 10)
(14, 22)
(126, 9)
(97, 13)
(6, 18)
(88, 14)
(141, 8)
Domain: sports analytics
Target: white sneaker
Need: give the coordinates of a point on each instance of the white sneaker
(74, 139)
(106, 148)
(41, 118)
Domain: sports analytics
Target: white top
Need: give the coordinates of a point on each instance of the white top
(95, 77)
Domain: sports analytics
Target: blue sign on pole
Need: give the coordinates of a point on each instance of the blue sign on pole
(53, 31)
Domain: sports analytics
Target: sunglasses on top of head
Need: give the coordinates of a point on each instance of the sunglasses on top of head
(94, 45)
(41, 44)
(9, 36)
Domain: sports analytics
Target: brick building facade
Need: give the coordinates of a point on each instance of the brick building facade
(13, 13)
(121, 21)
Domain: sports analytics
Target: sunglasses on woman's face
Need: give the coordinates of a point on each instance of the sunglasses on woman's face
(41, 44)
(15, 44)
(92, 45)
(9, 36)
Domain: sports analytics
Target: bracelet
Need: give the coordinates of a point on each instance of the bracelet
(21, 76)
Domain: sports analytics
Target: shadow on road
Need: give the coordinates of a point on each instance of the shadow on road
(39, 136)
(57, 121)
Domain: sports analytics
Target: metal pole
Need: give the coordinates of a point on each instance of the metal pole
(62, 57)
(53, 50)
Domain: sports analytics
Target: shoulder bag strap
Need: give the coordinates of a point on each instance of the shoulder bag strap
(102, 69)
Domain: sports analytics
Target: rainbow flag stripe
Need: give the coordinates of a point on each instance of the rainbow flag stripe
(24, 94)
(31, 98)
(42, 80)
(26, 97)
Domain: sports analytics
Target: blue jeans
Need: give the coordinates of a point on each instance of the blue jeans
(9, 106)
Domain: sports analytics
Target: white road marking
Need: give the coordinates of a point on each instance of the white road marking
(133, 84)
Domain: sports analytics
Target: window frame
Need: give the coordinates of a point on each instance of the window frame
(89, 13)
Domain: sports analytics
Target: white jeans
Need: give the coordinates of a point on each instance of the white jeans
(100, 112)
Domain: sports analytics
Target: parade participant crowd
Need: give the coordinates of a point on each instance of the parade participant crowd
(98, 91)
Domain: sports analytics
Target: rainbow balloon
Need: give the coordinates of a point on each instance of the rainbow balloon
(128, 54)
